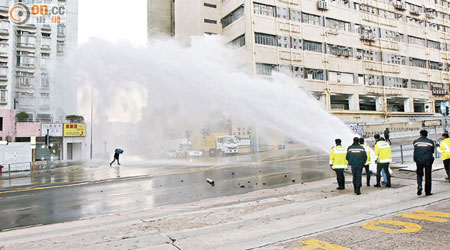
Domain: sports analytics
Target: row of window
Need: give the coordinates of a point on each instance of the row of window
(233, 16)
(338, 50)
(347, 78)
(299, 16)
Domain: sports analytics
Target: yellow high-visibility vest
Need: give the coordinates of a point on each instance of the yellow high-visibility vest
(444, 148)
(367, 148)
(383, 152)
(338, 157)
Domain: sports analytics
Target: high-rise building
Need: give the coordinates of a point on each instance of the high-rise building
(160, 18)
(363, 60)
(25, 53)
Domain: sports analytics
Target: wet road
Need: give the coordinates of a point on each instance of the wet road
(89, 191)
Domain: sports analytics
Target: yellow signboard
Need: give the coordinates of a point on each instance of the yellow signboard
(74, 129)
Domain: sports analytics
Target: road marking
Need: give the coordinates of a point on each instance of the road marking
(311, 244)
(426, 215)
(149, 176)
(406, 227)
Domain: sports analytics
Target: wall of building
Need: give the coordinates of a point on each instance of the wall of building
(8, 128)
(160, 20)
(28, 129)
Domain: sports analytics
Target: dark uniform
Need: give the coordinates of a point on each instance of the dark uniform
(356, 157)
(423, 156)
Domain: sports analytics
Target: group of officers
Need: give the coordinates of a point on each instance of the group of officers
(357, 156)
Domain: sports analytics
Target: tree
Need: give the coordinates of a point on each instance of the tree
(75, 118)
(22, 116)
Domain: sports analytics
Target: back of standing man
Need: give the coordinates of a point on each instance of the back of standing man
(423, 156)
(356, 157)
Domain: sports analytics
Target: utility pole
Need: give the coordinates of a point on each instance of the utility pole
(92, 116)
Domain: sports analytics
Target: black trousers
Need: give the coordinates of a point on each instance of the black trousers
(385, 166)
(340, 177)
(115, 158)
(447, 167)
(427, 169)
(367, 168)
(357, 177)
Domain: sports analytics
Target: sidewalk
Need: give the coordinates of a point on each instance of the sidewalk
(255, 220)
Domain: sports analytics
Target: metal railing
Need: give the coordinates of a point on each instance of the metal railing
(10, 168)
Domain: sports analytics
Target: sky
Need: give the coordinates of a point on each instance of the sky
(113, 20)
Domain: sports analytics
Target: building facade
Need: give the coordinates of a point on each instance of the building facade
(25, 55)
(160, 18)
(365, 61)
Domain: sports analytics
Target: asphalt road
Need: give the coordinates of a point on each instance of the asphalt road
(89, 191)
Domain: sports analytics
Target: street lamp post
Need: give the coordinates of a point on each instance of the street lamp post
(92, 116)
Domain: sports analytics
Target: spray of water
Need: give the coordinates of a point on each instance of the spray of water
(142, 93)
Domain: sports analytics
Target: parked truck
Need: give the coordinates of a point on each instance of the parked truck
(220, 143)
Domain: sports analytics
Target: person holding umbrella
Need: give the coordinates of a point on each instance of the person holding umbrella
(117, 153)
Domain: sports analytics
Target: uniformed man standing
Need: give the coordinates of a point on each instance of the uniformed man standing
(444, 149)
(338, 163)
(367, 165)
(423, 156)
(356, 157)
(383, 156)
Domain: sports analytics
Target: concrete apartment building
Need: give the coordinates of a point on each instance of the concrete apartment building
(160, 17)
(364, 60)
(25, 53)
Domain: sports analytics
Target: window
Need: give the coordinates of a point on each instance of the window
(239, 41)
(265, 39)
(210, 21)
(25, 59)
(24, 79)
(284, 42)
(311, 19)
(285, 69)
(60, 47)
(339, 50)
(434, 45)
(233, 16)
(45, 101)
(1, 123)
(419, 85)
(296, 15)
(3, 95)
(373, 80)
(210, 5)
(394, 59)
(313, 46)
(296, 43)
(264, 69)
(61, 30)
(436, 65)
(337, 24)
(45, 81)
(283, 12)
(314, 74)
(416, 41)
(340, 77)
(418, 63)
(392, 35)
(395, 82)
(263, 9)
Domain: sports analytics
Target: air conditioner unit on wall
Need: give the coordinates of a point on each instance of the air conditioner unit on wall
(323, 4)
(415, 12)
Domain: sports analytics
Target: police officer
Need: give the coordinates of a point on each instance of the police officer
(423, 156)
(367, 165)
(444, 149)
(356, 157)
(383, 156)
(338, 163)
